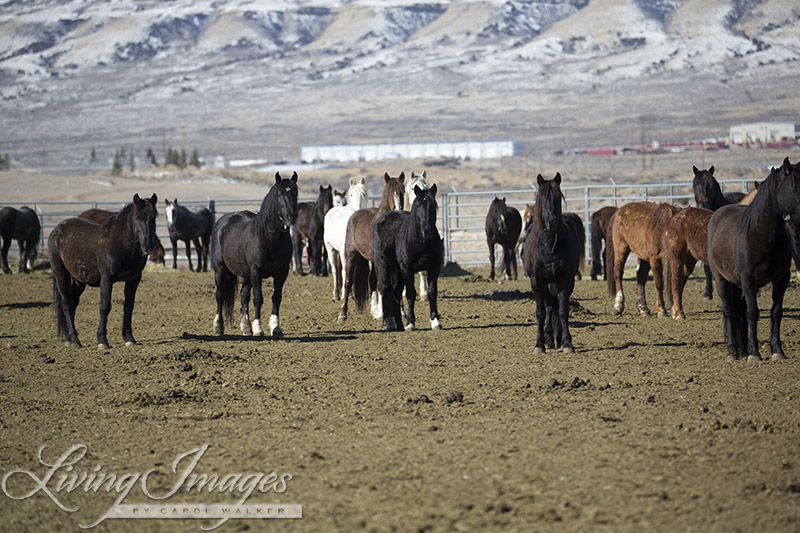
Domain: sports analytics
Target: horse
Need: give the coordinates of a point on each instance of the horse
(708, 194)
(249, 247)
(339, 199)
(421, 181)
(527, 220)
(685, 241)
(637, 227)
(336, 230)
(552, 256)
(749, 247)
(598, 228)
(358, 249)
(189, 225)
(84, 253)
(310, 227)
(23, 225)
(403, 243)
(101, 215)
(503, 226)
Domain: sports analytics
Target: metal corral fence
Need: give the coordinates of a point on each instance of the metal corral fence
(461, 214)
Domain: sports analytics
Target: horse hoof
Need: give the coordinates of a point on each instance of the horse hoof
(277, 332)
(130, 343)
(707, 297)
(662, 314)
(410, 327)
(778, 357)
(569, 349)
(257, 331)
(341, 318)
(538, 350)
(435, 324)
(101, 346)
(732, 357)
(753, 358)
(679, 316)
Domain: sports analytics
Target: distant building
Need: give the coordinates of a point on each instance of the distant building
(764, 132)
(410, 150)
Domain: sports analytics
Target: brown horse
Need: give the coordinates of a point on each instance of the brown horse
(598, 227)
(577, 222)
(637, 227)
(101, 215)
(685, 241)
(358, 248)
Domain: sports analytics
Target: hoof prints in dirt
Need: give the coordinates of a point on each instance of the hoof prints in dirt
(453, 397)
(576, 384)
(145, 399)
(197, 354)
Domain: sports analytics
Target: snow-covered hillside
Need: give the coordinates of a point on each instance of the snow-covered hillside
(242, 74)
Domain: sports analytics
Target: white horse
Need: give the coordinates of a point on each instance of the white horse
(420, 180)
(335, 230)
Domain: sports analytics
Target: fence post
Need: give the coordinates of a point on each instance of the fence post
(644, 193)
(213, 208)
(446, 227)
(588, 251)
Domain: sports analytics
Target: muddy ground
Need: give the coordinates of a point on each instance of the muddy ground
(464, 429)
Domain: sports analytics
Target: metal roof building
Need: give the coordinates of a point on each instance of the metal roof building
(410, 150)
(764, 132)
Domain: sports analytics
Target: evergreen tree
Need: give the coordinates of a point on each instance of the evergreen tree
(131, 163)
(93, 157)
(182, 162)
(195, 160)
(151, 157)
(116, 169)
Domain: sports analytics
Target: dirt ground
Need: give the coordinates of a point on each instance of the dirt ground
(464, 429)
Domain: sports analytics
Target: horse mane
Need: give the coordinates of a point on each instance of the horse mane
(766, 194)
(539, 206)
(267, 204)
(660, 217)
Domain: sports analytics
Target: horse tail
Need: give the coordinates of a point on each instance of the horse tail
(360, 282)
(227, 285)
(581, 230)
(610, 281)
(597, 244)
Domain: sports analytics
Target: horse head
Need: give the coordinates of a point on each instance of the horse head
(393, 192)
(706, 188)
(339, 199)
(286, 191)
(498, 210)
(357, 194)
(788, 191)
(423, 209)
(548, 201)
(325, 198)
(416, 179)
(527, 216)
(171, 211)
(144, 222)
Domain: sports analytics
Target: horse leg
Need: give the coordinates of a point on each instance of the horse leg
(642, 271)
(389, 300)
(174, 242)
(549, 305)
(433, 292)
(709, 290)
(540, 318)
(23, 257)
(658, 280)
(423, 286)
(680, 268)
(105, 309)
(491, 258)
(277, 296)
(189, 254)
(6, 246)
(730, 296)
(376, 294)
(349, 271)
(65, 299)
(749, 289)
(244, 295)
(313, 257)
(506, 263)
(297, 248)
(222, 280)
(411, 296)
(127, 313)
(563, 316)
(776, 314)
(619, 257)
(514, 261)
(337, 274)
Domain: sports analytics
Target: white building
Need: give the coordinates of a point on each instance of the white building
(410, 150)
(764, 132)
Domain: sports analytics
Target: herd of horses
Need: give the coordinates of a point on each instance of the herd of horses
(745, 241)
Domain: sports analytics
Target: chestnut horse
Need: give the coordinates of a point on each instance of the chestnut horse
(749, 247)
(598, 228)
(358, 249)
(685, 242)
(101, 215)
(637, 227)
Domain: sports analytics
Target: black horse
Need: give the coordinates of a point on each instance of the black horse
(249, 247)
(708, 195)
(404, 243)
(503, 226)
(552, 257)
(101, 215)
(310, 227)
(86, 253)
(599, 228)
(749, 247)
(23, 225)
(190, 225)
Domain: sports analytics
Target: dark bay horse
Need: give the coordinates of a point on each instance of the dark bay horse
(86, 253)
(503, 226)
(358, 248)
(404, 243)
(637, 227)
(310, 227)
(191, 226)
(527, 221)
(249, 247)
(101, 215)
(23, 225)
(552, 257)
(749, 247)
(685, 241)
(598, 229)
(708, 195)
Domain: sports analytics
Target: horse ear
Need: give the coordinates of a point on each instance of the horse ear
(711, 170)
(386, 177)
(756, 184)
(694, 169)
(352, 182)
(540, 179)
(136, 199)
(417, 190)
(294, 176)
(321, 188)
(558, 178)
(277, 177)
(787, 166)
(433, 189)
(424, 174)
(402, 175)
(175, 201)
(154, 199)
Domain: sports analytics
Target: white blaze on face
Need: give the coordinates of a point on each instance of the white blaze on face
(170, 214)
(397, 205)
